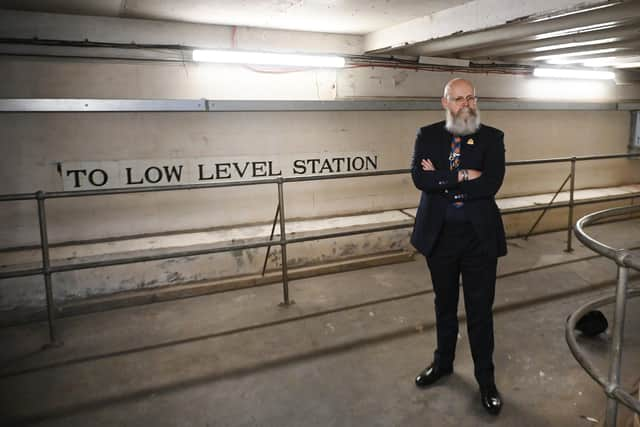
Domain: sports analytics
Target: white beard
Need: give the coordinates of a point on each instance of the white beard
(463, 124)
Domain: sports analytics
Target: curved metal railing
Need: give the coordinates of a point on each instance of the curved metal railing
(625, 261)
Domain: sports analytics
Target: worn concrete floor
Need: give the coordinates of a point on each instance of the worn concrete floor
(345, 354)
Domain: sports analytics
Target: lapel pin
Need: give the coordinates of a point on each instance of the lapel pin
(470, 141)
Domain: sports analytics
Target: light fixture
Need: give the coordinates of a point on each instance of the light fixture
(266, 58)
(605, 61)
(578, 30)
(574, 12)
(561, 61)
(628, 65)
(575, 44)
(574, 74)
(575, 54)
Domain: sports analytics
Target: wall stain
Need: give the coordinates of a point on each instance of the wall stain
(399, 78)
(175, 277)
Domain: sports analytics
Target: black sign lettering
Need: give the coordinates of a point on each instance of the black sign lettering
(130, 179)
(259, 168)
(92, 177)
(357, 163)
(326, 166)
(299, 168)
(373, 162)
(241, 172)
(76, 176)
(172, 171)
(313, 163)
(201, 176)
(222, 170)
(271, 169)
(150, 172)
(122, 173)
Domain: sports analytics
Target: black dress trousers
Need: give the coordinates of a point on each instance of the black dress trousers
(459, 252)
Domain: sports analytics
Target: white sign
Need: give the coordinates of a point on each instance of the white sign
(91, 175)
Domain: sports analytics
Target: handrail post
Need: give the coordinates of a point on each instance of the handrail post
(615, 353)
(273, 229)
(44, 245)
(546, 208)
(572, 187)
(283, 244)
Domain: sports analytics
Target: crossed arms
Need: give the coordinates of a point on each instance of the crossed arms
(481, 184)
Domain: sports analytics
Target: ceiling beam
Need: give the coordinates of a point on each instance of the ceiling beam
(617, 15)
(512, 47)
(473, 16)
(18, 25)
(622, 48)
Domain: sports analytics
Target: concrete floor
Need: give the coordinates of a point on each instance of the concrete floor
(345, 354)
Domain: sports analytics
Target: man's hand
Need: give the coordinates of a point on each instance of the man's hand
(427, 165)
(472, 174)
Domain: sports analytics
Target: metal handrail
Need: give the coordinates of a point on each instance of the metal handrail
(47, 269)
(625, 261)
(64, 194)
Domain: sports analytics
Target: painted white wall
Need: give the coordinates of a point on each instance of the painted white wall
(65, 78)
(34, 143)
(389, 82)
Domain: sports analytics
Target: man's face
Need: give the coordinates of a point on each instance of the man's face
(460, 100)
(463, 117)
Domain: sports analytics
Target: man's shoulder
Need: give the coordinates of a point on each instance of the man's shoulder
(491, 131)
(432, 128)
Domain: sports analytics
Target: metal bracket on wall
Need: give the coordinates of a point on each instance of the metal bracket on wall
(26, 105)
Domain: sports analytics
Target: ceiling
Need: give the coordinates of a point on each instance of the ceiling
(331, 16)
(596, 34)
(596, 37)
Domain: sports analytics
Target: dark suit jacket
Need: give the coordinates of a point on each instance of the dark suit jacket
(485, 153)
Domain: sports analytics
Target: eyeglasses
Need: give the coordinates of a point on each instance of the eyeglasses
(471, 99)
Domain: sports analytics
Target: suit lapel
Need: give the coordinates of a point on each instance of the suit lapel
(445, 147)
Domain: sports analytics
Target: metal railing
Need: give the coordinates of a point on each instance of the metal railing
(625, 261)
(46, 270)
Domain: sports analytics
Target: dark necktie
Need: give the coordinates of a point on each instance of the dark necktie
(454, 159)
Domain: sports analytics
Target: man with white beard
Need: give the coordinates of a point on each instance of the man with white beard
(459, 166)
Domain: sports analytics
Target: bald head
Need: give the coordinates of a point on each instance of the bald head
(458, 85)
(460, 104)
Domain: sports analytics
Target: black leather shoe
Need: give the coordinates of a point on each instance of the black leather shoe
(431, 374)
(491, 400)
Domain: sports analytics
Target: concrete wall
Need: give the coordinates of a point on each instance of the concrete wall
(86, 78)
(34, 143)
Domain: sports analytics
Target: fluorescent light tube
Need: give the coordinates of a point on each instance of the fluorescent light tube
(574, 74)
(265, 58)
(628, 65)
(574, 54)
(606, 61)
(590, 9)
(575, 44)
(577, 30)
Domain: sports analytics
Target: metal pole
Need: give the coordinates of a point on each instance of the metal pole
(273, 229)
(572, 188)
(44, 244)
(546, 208)
(615, 354)
(283, 244)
